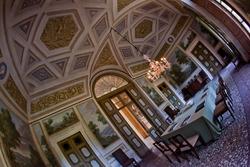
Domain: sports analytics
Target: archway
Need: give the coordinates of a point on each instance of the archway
(133, 116)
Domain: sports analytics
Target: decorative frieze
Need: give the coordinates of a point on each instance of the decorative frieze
(57, 97)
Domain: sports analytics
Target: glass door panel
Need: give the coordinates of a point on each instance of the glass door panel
(133, 122)
(132, 114)
(125, 98)
(116, 101)
(138, 114)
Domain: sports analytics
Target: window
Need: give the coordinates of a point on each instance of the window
(107, 84)
(235, 14)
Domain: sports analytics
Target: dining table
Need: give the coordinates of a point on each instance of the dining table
(197, 116)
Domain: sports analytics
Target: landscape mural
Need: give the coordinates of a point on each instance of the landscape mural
(187, 39)
(44, 145)
(150, 91)
(205, 33)
(17, 140)
(181, 67)
(60, 121)
(97, 123)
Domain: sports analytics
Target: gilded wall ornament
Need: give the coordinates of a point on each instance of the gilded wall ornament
(57, 97)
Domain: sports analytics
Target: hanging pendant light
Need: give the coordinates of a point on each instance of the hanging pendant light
(156, 68)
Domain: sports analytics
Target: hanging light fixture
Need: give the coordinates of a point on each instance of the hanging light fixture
(156, 68)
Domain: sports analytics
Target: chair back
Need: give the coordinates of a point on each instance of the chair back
(121, 157)
(179, 141)
(170, 112)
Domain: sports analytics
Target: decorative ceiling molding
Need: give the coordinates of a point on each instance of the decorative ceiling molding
(93, 13)
(12, 89)
(94, 1)
(28, 4)
(24, 27)
(122, 25)
(42, 74)
(30, 60)
(80, 63)
(1, 55)
(123, 3)
(19, 51)
(144, 28)
(105, 58)
(86, 43)
(59, 32)
(135, 16)
(101, 27)
(53, 45)
(126, 52)
(139, 68)
(180, 25)
(178, 5)
(149, 6)
(60, 65)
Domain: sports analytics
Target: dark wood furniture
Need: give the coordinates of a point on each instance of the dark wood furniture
(123, 159)
(182, 144)
(221, 108)
(171, 113)
(166, 150)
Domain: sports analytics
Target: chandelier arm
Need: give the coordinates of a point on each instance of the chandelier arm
(156, 68)
(126, 40)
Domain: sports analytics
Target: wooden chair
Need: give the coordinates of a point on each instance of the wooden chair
(172, 113)
(166, 150)
(222, 108)
(182, 144)
(224, 89)
(123, 159)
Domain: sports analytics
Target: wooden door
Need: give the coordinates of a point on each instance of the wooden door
(78, 153)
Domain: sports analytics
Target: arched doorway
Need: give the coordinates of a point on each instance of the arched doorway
(129, 111)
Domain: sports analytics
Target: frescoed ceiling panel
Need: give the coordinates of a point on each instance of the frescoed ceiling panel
(55, 42)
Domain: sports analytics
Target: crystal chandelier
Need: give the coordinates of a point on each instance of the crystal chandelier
(156, 68)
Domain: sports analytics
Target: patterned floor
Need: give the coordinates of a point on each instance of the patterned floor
(232, 148)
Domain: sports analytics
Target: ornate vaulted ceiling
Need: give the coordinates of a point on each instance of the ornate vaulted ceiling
(55, 44)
